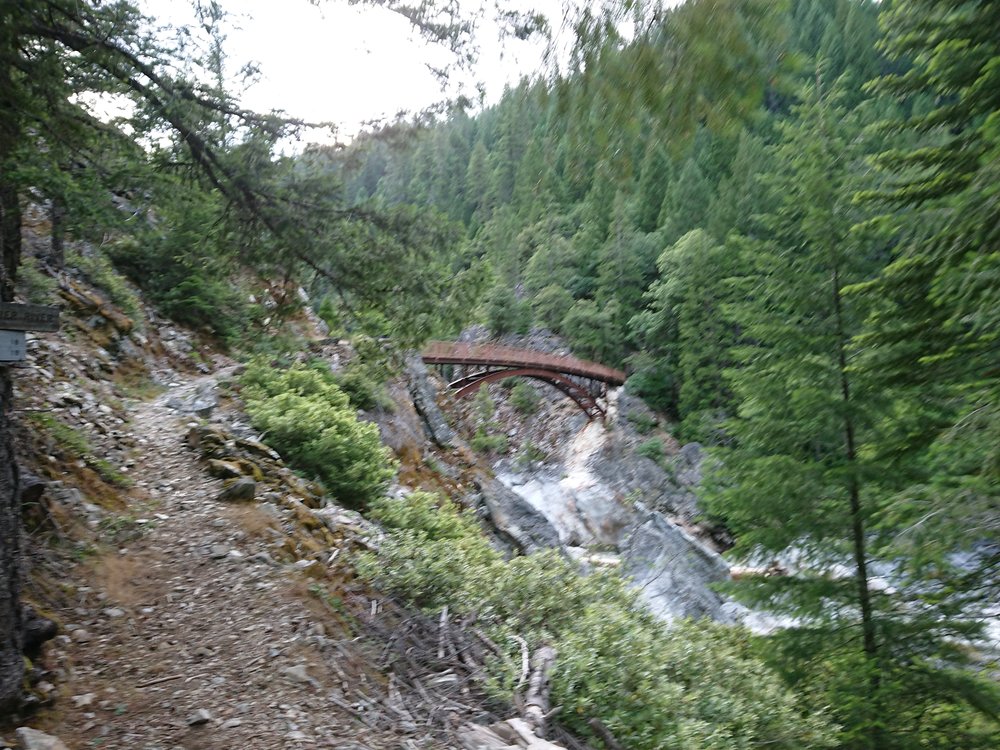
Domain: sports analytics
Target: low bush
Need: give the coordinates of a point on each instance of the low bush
(524, 398)
(485, 442)
(652, 449)
(529, 455)
(688, 686)
(310, 421)
(102, 274)
(643, 423)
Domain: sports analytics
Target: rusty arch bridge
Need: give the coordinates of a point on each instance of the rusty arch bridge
(474, 365)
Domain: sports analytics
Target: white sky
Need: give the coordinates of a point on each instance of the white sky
(348, 64)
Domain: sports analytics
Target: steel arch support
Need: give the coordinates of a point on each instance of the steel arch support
(470, 384)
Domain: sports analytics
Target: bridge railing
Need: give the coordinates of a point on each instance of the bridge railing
(448, 352)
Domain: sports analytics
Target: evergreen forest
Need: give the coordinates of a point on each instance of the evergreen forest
(781, 219)
(783, 224)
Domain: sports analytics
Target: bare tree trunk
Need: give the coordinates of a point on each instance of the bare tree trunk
(11, 625)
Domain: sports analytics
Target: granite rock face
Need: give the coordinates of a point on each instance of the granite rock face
(424, 399)
(514, 517)
(673, 571)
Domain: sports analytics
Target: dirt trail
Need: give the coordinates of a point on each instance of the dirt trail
(191, 635)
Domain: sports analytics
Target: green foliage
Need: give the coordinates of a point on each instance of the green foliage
(37, 286)
(78, 445)
(489, 442)
(483, 404)
(184, 264)
(505, 313)
(524, 398)
(551, 305)
(311, 422)
(430, 550)
(685, 320)
(687, 686)
(808, 468)
(643, 423)
(651, 449)
(593, 332)
(101, 273)
(529, 455)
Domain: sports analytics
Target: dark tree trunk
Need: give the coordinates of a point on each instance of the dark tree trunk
(11, 626)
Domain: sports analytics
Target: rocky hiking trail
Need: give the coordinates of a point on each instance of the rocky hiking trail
(192, 635)
(200, 617)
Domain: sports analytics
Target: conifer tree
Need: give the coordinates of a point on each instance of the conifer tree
(807, 480)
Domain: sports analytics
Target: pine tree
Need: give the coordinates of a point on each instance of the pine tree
(687, 301)
(807, 471)
(933, 334)
(794, 477)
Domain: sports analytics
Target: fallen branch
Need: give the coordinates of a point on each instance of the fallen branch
(605, 734)
(525, 668)
(158, 681)
(536, 702)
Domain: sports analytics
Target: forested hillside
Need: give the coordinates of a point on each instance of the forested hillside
(782, 220)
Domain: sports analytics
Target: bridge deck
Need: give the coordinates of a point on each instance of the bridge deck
(453, 353)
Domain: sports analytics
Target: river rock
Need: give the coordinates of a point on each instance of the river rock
(32, 739)
(673, 571)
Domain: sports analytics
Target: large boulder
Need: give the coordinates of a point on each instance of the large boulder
(673, 571)
(200, 402)
(514, 517)
(240, 490)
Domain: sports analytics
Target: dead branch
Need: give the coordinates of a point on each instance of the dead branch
(604, 733)
(536, 702)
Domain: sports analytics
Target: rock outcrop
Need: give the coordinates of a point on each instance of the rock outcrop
(425, 400)
(673, 571)
(514, 517)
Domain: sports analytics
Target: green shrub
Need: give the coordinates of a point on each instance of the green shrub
(102, 274)
(483, 404)
(360, 389)
(529, 454)
(643, 423)
(652, 449)
(688, 686)
(430, 551)
(524, 398)
(484, 442)
(311, 422)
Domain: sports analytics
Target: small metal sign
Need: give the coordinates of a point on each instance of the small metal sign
(12, 346)
(16, 317)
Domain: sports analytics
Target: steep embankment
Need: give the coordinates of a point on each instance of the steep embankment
(189, 616)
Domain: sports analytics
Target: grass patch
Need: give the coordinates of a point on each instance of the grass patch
(74, 443)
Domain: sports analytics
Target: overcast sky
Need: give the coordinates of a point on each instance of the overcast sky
(347, 64)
